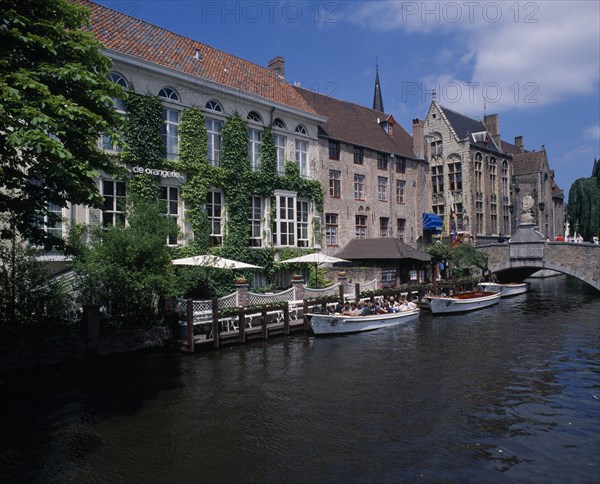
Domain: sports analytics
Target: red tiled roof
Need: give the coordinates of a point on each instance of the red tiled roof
(137, 38)
(358, 125)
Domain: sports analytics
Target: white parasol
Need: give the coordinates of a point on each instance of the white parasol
(213, 261)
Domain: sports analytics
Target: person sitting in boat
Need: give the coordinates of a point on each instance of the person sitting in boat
(388, 308)
(346, 308)
(378, 308)
(353, 310)
(407, 305)
(367, 310)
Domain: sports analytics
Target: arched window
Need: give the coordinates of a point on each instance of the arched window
(505, 177)
(493, 174)
(168, 93)
(478, 172)
(118, 79)
(279, 123)
(301, 129)
(436, 145)
(119, 105)
(254, 117)
(214, 106)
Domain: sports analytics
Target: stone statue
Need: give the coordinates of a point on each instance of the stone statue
(527, 215)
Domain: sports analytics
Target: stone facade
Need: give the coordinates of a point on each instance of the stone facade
(468, 174)
(534, 178)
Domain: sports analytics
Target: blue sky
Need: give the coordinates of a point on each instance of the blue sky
(536, 64)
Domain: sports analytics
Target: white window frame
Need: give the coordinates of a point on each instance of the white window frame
(114, 203)
(254, 140)
(172, 206)
(382, 188)
(280, 146)
(170, 133)
(213, 131)
(255, 220)
(302, 222)
(214, 211)
(302, 157)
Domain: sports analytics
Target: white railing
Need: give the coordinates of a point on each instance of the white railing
(256, 299)
(369, 286)
(311, 293)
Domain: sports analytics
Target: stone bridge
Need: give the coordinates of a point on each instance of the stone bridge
(525, 254)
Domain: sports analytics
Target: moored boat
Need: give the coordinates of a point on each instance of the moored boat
(460, 303)
(508, 289)
(341, 324)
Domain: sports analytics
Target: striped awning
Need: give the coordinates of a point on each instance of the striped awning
(433, 222)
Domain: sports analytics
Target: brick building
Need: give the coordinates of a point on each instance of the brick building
(374, 181)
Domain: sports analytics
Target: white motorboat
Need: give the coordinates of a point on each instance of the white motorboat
(509, 289)
(341, 324)
(460, 303)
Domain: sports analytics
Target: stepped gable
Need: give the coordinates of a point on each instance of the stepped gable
(142, 40)
(465, 126)
(358, 125)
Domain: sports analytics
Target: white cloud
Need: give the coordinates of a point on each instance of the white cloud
(593, 132)
(521, 54)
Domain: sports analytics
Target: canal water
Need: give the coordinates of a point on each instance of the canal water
(509, 393)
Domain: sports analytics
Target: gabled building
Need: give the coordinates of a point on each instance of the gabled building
(470, 172)
(533, 177)
(185, 73)
(375, 182)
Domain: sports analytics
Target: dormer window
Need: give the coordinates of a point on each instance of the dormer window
(254, 117)
(390, 129)
(214, 106)
(168, 93)
(279, 123)
(301, 129)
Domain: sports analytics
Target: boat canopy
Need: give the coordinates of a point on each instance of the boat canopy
(433, 222)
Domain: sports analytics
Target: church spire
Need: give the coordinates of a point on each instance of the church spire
(377, 99)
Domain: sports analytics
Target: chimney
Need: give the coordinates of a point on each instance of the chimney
(519, 143)
(418, 139)
(277, 64)
(491, 124)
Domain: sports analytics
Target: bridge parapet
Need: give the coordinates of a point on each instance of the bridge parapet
(578, 260)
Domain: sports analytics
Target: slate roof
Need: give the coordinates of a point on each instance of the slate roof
(510, 148)
(355, 124)
(381, 249)
(464, 126)
(140, 39)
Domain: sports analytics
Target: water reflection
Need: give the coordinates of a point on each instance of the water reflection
(502, 393)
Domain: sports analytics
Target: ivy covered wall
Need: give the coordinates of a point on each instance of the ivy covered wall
(234, 177)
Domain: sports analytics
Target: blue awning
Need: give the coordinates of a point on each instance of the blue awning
(431, 221)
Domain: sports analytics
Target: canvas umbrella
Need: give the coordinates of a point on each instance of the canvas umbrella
(213, 261)
(316, 258)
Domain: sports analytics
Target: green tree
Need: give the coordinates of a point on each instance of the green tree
(128, 269)
(28, 294)
(583, 210)
(56, 103)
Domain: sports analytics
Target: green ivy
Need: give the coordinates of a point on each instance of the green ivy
(237, 189)
(143, 130)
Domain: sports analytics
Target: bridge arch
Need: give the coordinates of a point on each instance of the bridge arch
(581, 261)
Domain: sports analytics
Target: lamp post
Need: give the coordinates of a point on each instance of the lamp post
(542, 206)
